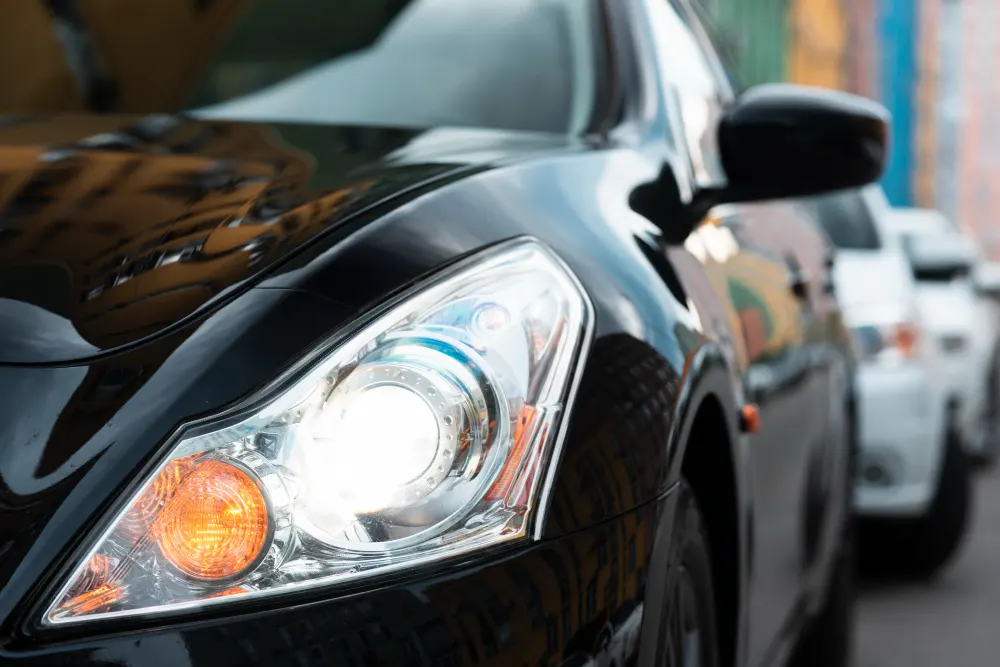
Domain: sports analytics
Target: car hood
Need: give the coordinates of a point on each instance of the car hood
(872, 283)
(948, 308)
(114, 230)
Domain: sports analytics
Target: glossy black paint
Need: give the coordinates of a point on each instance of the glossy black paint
(770, 139)
(509, 609)
(117, 230)
(316, 294)
(650, 367)
(734, 311)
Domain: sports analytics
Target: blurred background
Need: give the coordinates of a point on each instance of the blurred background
(931, 62)
(934, 64)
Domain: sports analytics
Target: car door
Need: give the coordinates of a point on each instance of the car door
(726, 261)
(796, 377)
(764, 296)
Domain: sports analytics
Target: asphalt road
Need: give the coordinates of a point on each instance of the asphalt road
(953, 621)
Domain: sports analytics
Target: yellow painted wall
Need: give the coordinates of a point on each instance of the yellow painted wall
(818, 38)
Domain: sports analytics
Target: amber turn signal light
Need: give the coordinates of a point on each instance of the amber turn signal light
(208, 518)
(216, 523)
(141, 515)
(906, 339)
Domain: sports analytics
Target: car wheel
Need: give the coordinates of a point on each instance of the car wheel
(991, 415)
(689, 633)
(920, 548)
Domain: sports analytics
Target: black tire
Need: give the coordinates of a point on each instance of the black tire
(987, 458)
(919, 549)
(690, 593)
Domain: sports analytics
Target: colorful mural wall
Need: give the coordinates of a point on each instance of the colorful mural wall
(931, 62)
(808, 41)
(818, 43)
(755, 35)
(975, 170)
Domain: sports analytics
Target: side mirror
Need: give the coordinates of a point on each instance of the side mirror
(944, 256)
(785, 140)
(987, 279)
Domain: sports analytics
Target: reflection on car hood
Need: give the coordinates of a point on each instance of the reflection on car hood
(113, 230)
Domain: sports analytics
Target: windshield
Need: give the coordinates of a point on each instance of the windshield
(509, 64)
(846, 220)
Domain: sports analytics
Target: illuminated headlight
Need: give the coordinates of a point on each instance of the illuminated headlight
(423, 435)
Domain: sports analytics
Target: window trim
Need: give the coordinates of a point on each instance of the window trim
(707, 177)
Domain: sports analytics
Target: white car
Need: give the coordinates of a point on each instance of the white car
(912, 488)
(960, 319)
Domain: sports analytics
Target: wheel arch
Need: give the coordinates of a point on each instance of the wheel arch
(710, 458)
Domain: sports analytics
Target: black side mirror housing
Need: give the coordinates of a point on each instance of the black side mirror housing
(785, 140)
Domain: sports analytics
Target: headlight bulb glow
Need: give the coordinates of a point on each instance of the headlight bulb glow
(388, 437)
(373, 442)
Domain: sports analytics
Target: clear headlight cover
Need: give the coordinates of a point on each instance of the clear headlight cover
(423, 435)
(887, 342)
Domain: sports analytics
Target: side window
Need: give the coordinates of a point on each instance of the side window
(693, 74)
(846, 220)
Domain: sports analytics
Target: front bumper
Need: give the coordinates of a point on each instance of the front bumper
(530, 606)
(969, 383)
(964, 376)
(901, 414)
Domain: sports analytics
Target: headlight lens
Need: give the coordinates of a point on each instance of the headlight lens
(889, 342)
(421, 436)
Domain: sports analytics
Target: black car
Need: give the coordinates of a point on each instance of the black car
(435, 332)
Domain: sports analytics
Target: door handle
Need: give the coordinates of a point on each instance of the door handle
(799, 284)
(829, 287)
(798, 279)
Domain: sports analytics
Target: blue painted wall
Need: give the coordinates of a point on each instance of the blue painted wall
(898, 52)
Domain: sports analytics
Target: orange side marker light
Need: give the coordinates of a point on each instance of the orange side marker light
(749, 418)
(501, 487)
